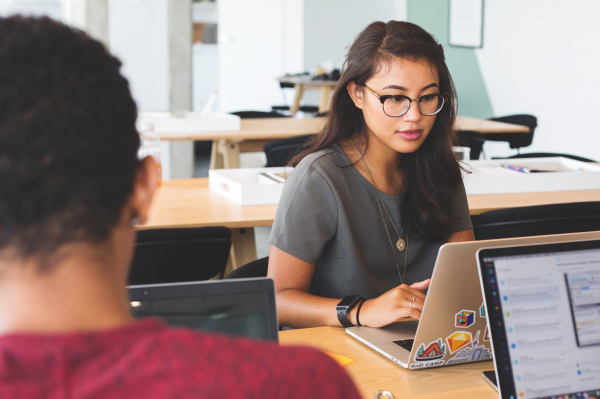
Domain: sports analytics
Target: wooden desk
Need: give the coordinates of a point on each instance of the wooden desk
(190, 203)
(372, 371)
(255, 133)
(300, 84)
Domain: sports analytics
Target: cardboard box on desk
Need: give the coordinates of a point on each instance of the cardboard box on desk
(528, 175)
(243, 186)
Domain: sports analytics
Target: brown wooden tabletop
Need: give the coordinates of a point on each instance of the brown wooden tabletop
(372, 371)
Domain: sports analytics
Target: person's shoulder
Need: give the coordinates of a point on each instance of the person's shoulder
(259, 367)
(328, 162)
(318, 157)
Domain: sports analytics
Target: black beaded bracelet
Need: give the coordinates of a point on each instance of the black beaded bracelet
(358, 311)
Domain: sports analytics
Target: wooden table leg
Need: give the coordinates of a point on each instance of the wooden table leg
(325, 94)
(216, 158)
(298, 96)
(225, 154)
(243, 249)
(231, 154)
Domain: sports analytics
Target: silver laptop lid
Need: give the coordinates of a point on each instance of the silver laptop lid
(454, 315)
(453, 326)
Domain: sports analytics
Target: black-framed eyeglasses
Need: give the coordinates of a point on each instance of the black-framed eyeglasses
(398, 105)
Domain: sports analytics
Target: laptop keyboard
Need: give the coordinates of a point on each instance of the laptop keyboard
(405, 343)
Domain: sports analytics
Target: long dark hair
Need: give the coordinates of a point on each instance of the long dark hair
(432, 173)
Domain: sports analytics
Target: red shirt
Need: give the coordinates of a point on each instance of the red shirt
(148, 359)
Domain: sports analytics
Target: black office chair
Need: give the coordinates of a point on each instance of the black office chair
(473, 140)
(177, 255)
(256, 268)
(515, 140)
(258, 114)
(280, 152)
(550, 154)
(537, 220)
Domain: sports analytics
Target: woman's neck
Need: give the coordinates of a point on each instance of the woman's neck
(377, 163)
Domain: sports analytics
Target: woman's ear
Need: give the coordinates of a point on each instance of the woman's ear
(356, 94)
(146, 180)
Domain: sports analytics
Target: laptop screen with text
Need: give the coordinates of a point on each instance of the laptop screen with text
(544, 310)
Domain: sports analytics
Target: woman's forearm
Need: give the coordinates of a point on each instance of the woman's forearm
(299, 309)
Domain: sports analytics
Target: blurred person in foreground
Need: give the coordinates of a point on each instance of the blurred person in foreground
(71, 192)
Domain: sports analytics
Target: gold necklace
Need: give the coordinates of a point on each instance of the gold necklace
(374, 170)
(400, 244)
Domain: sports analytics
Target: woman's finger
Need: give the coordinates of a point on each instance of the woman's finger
(407, 312)
(421, 285)
(412, 292)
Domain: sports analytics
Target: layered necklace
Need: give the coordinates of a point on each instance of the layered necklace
(400, 244)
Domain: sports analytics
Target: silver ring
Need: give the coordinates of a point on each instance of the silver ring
(410, 304)
(414, 298)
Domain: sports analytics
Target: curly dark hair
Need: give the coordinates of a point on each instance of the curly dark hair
(68, 142)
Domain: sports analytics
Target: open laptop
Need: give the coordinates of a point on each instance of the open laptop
(453, 325)
(544, 313)
(242, 307)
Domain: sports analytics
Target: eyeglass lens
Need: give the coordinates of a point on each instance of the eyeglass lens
(429, 105)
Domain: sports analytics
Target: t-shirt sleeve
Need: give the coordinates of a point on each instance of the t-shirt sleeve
(460, 207)
(306, 217)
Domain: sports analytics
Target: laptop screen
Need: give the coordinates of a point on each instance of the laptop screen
(236, 307)
(544, 312)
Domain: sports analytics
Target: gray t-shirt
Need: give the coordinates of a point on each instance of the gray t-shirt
(328, 216)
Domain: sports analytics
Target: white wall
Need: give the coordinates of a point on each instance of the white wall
(542, 57)
(250, 53)
(51, 8)
(331, 26)
(205, 74)
(138, 32)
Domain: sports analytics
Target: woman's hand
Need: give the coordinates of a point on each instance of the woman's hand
(392, 306)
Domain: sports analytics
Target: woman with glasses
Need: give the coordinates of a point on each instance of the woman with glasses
(376, 193)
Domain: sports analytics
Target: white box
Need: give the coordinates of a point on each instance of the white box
(242, 186)
(488, 177)
(191, 122)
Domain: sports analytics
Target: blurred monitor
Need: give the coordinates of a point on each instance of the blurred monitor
(242, 307)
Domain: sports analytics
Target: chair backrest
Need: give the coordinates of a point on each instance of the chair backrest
(515, 140)
(179, 255)
(473, 140)
(551, 154)
(256, 268)
(537, 220)
(280, 152)
(258, 114)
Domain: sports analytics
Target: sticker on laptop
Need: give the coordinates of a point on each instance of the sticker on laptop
(430, 355)
(474, 353)
(486, 336)
(458, 340)
(482, 312)
(464, 318)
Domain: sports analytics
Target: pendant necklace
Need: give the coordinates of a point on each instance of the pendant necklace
(400, 244)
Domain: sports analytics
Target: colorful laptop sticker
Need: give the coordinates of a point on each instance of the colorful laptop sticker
(464, 318)
(482, 312)
(459, 340)
(431, 355)
(475, 352)
(486, 336)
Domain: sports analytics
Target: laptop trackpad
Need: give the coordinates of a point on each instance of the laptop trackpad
(392, 332)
